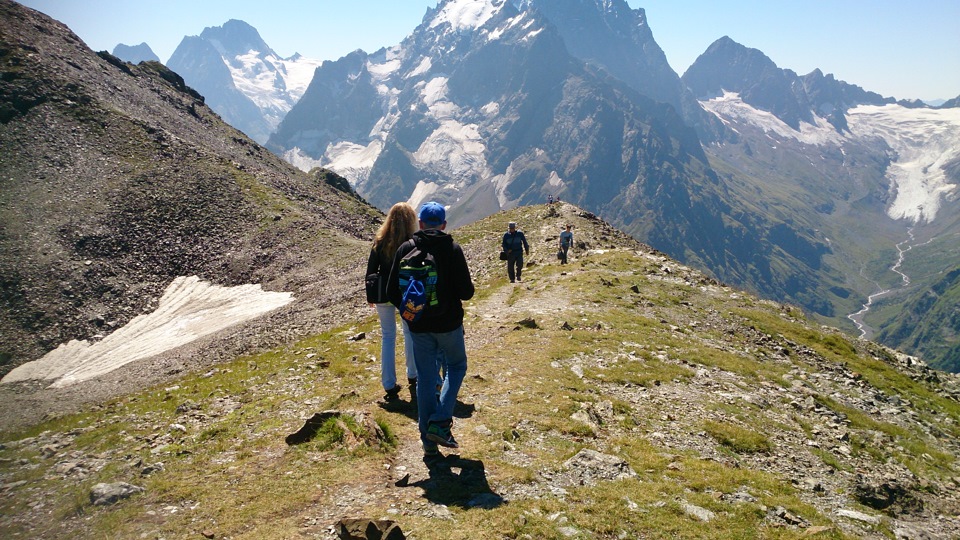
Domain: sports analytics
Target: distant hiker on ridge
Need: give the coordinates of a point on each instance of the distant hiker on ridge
(399, 227)
(514, 244)
(428, 281)
(566, 240)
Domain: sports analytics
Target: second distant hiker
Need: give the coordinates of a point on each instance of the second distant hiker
(436, 280)
(514, 245)
(566, 240)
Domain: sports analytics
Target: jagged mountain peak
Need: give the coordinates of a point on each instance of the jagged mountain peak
(244, 80)
(617, 39)
(236, 37)
(728, 66)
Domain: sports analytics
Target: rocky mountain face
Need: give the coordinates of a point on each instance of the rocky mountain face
(503, 89)
(135, 53)
(241, 77)
(797, 219)
(610, 35)
(115, 179)
(494, 104)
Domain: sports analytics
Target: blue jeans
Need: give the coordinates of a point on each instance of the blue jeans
(388, 346)
(433, 351)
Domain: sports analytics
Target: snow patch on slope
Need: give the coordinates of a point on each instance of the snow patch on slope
(732, 110)
(423, 193)
(299, 159)
(189, 309)
(513, 21)
(422, 68)
(454, 150)
(353, 161)
(924, 141)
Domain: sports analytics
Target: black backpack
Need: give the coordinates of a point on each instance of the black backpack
(418, 274)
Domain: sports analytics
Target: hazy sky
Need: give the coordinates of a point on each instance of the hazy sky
(907, 50)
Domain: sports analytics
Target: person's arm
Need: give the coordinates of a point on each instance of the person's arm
(504, 244)
(462, 281)
(393, 278)
(373, 263)
(526, 246)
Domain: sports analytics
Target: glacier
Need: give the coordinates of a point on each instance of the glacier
(921, 141)
(924, 140)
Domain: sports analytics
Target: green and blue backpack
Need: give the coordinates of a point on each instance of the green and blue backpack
(418, 281)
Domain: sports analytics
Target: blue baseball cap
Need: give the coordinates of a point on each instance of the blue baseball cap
(432, 214)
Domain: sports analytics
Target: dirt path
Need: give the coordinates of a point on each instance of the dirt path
(427, 486)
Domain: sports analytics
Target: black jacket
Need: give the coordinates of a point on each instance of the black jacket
(453, 281)
(379, 263)
(515, 243)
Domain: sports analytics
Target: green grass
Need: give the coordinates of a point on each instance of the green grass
(737, 438)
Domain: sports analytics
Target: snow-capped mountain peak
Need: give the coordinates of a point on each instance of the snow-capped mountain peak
(262, 87)
(466, 14)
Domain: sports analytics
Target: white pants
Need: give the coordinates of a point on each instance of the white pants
(388, 347)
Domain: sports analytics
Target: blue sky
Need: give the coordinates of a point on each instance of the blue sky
(903, 49)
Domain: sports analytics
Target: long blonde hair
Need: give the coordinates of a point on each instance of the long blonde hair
(399, 226)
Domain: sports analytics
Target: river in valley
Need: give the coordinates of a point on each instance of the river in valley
(866, 331)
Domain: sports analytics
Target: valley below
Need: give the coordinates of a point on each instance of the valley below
(903, 248)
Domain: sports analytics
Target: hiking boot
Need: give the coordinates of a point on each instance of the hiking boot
(439, 432)
(412, 384)
(430, 449)
(392, 394)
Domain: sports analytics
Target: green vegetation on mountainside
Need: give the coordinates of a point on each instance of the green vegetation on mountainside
(929, 323)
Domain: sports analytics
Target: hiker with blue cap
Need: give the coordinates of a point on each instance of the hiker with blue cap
(428, 282)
